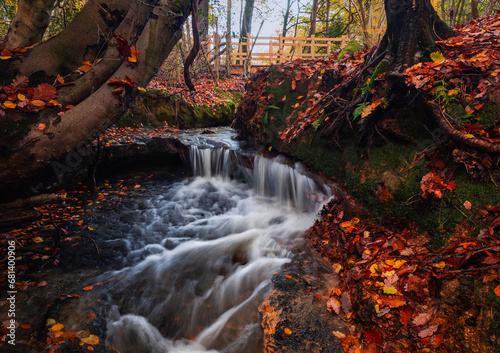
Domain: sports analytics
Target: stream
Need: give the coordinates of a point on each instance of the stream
(202, 250)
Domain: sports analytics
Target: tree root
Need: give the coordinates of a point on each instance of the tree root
(457, 135)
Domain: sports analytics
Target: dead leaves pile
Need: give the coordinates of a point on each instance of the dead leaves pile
(206, 94)
(392, 286)
(469, 70)
(310, 73)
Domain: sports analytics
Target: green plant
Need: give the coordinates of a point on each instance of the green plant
(357, 112)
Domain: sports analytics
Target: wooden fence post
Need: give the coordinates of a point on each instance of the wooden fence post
(313, 49)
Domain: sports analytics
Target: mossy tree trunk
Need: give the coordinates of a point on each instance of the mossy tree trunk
(152, 26)
(413, 27)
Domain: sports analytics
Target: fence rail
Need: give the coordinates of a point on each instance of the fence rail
(272, 50)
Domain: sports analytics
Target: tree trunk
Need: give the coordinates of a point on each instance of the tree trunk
(228, 40)
(314, 16)
(413, 27)
(153, 27)
(246, 24)
(203, 20)
(286, 18)
(29, 24)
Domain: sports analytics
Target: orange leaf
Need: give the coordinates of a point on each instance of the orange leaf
(25, 326)
(294, 85)
(288, 331)
(91, 316)
(134, 55)
(497, 290)
(38, 103)
(88, 288)
(9, 104)
(40, 126)
(57, 327)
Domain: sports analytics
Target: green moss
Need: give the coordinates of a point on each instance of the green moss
(489, 114)
(155, 108)
(382, 67)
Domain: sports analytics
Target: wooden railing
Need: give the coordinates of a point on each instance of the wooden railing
(274, 50)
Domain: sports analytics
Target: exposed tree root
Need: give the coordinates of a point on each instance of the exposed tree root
(457, 135)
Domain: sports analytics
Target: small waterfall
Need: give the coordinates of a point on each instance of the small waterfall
(271, 178)
(202, 253)
(210, 162)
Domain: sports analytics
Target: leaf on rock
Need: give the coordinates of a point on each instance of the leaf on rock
(333, 305)
(57, 327)
(92, 340)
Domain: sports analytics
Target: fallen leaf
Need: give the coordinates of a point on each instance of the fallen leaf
(88, 288)
(57, 327)
(428, 331)
(92, 340)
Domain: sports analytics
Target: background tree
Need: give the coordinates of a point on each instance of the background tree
(111, 27)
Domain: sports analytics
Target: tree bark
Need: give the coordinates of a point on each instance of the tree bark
(314, 16)
(29, 23)
(246, 24)
(152, 26)
(413, 27)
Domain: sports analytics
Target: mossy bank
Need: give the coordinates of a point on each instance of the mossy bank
(157, 108)
(384, 175)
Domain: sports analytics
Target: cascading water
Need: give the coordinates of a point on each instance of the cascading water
(205, 251)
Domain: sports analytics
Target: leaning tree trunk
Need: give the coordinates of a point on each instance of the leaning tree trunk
(413, 27)
(29, 24)
(152, 26)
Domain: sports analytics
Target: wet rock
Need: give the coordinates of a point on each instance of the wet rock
(294, 315)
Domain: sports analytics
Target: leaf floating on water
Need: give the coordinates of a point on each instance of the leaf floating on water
(88, 288)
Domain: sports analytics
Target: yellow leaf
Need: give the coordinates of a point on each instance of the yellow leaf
(388, 273)
(4, 57)
(37, 240)
(322, 71)
(390, 290)
(50, 322)
(379, 284)
(374, 268)
(469, 136)
(9, 104)
(21, 97)
(57, 327)
(437, 58)
(377, 308)
(92, 340)
(440, 264)
(142, 89)
(288, 331)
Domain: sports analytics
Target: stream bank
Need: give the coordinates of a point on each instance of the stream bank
(419, 199)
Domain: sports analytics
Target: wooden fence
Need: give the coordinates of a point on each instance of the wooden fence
(272, 50)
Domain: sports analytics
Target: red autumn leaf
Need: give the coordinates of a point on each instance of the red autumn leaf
(373, 336)
(123, 46)
(405, 314)
(60, 79)
(20, 82)
(45, 92)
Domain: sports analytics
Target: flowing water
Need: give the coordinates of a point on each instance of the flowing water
(203, 251)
